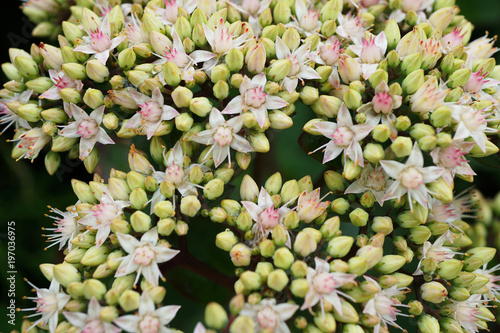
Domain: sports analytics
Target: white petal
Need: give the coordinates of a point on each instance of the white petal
(282, 51)
(392, 168)
(128, 242)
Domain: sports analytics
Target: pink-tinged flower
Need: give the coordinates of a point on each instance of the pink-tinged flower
(327, 53)
(429, 96)
(177, 55)
(32, 142)
(91, 322)
(380, 109)
(270, 316)
(371, 180)
(467, 313)
(410, 178)
(475, 85)
(436, 251)
(8, 117)
(49, 304)
(60, 81)
(370, 51)
(481, 48)
(86, 127)
(65, 228)
(99, 42)
(254, 98)
(471, 123)
(344, 136)
(148, 319)
(102, 215)
(221, 41)
(453, 212)
(492, 285)
(306, 20)
(349, 69)
(223, 136)
(324, 286)
(310, 205)
(169, 14)
(266, 217)
(431, 51)
(199, 328)
(452, 39)
(351, 27)
(251, 9)
(144, 256)
(153, 112)
(51, 56)
(135, 31)
(300, 59)
(452, 160)
(418, 6)
(384, 305)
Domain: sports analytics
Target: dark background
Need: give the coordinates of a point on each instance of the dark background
(26, 189)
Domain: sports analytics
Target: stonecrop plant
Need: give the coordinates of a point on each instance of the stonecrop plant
(398, 101)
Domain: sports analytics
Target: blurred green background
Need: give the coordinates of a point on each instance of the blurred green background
(26, 189)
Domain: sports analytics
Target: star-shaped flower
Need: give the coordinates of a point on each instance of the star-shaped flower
(436, 251)
(270, 316)
(66, 227)
(306, 20)
(371, 180)
(472, 123)
(91, 321)
(452, 160)
(370, 51)
(61, 81)
(8, 117)
(310, 205)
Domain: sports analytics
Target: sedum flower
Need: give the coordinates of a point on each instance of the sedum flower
(8, 117)
(49, 304)
(452, 160)
(251, 9)
(153, 112)
(452, 39)
(418, 6)
(33, 141)
(471, 123)
(475, 85)
(222, 135)
(467, 313)
(310, 205)
(435, 251)
(61, 81)
(144, 256)
(492, 285)
(410, 178)
(450, 213)
(169, 14)
(148, 319)
(324, 286)
(270, 316)
(91, 321)
(371, 180)
(102, 215)
(481, 48)
(86, 127)
(177, 55)
(384, 306)
(351, 27)
(253, 98)
(66, 227)
(135, 31)
(300, 59)
(344, 136)
(265, 216)
(370, 51)
(429, 96)
(306, 20)
(99, 42)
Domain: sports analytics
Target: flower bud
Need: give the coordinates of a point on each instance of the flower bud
(282, 12)
(372, 254)
(390, 263)
(449, 269)
(65, 274)
(215, 316)
(166, 226)
(402, 146)
(277, 280)
(441, 190)
(419, 234)
(325, 322)
(190, 205)
(221, 90)
(95, 256)
(358, 217)
(490, 150)
(259, 142)
(200, 106)
(242, 324)
(382, 224)
(351, 170)
(283, 258)
(240, 255)
(411, 63)
(97, 71)
(413, 81)
(225, 240)
(340, 246)
(256, 58)
(305, 243)
(213, 189)
(138, 198)
(392, 34)
(459, 78)
(433, 292)
(484, 253)
(129, 300)
(381, 133)
(279, 69)
(428, 324)
(327, 106)
(349, 313)
(357, 265)
(340, 206)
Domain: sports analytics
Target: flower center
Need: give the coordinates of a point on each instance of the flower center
(151, 111)
(370, 53)
(143, 255)
(383, 306)
(255, 97)
(324, 283)
(178, 58)
(223, 39)
(223, 136)
(310, 20)
(100, 42)
(330, 53)
(174, 174)
(375, 180)
(411, 178)
(251, 6)
(473, 119)
(88, 128)
(104, 213)
(267, 318)
(451, 157)
(382, 102)
(269, 218)
(48, 303)
(93, 326)
(343, 136)
(149, 324)
(170, 12)
(295, 65)
(475, 83)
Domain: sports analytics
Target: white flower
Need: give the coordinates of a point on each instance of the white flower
(144, 256)
(370, 52)
(492, 285)
(306, 20)
(222, 135)
(323, 286)
(435, 251)
(61, 81)
(49, 303)
(300, 59)
(199, 328)
(32, 142)
(99, 42)
(475, 85)
(102, 215)
(87, 128)
(466, 313)
(251, 9)
(452, 161)
(148, 319)
(418, 6)
(91, 321)
(66, 227)
(177, 55)
(481, 48)
(452, 39)
(344, 136)
(429, 96)
(411, 177)
(135, 31)
(7, 117)
(384, 306)
(371, 180)
(253, 98)
(450, 213)
(265, 216)
(310, 205)
(472, 123)
(270, 316)
(153, 112)
(169, 14)
(221, 41)
(350, 27)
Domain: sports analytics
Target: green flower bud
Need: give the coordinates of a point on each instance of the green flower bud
(129, 300)
(242, 324)
(419, 234)
(330, 227)
(75, 289)
(299, 287)
(282, 12)
(326, 322)
(183, 122)
(413, 81)
(213, 189)
(381, 132)
(166, 226)
(267, 248)
(215, 316)
(378, 77)
(138, 198)
(459, 78)
(39, 85)
(93, 288)
(126, 58)
(83, 191)
(340, 246)
(221, 90)
(411, 63)
(382, 224)
(29, 112)
(330, 11)
(334, 181)
(190, 205)
(240, 255)
(392, 34)
(402, 146)
(484, 253)
(349, 313)
(490, 150)
(55, 115)
(70, 95)
(279, 69)
(402, 123)
(450, 325)
(234, 60)
(428, 324)
(390, 263)
(249, 191)
(340, 206)
(441, 190)
(26, 67)
(309, 95)
(449, 269)
(352, 99)
(277, 280)
(433, 292)
(11, 72)
(220, 73)
(357, 265)
(182, 97)
(95, 256)
(259, 142)
(351, 170)
(305, 243)
(66, 273)
(283, 258)
(372, 254)
(200, 106)
(358, 217)
(328, 28)
(181, 228)
(140, 221)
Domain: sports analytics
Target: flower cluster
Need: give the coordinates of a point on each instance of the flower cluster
(401, 100)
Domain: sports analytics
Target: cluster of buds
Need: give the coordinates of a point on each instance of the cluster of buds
(400, 100)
